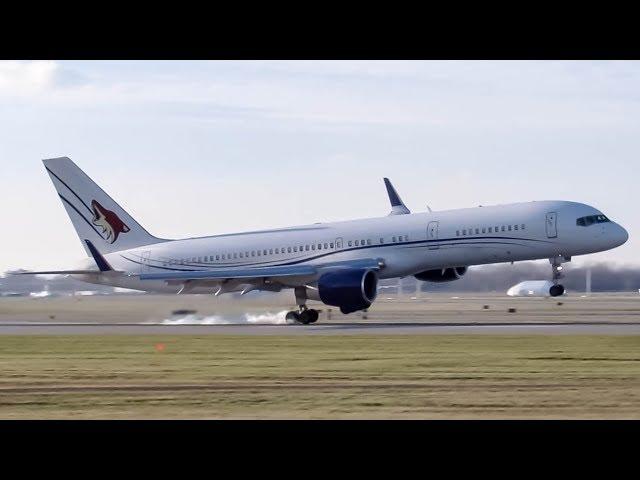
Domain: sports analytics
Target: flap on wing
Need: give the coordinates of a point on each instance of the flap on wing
(258, 272)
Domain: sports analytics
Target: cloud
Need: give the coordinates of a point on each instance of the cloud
(24, 78)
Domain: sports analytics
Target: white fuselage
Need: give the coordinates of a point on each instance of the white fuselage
(408, 244)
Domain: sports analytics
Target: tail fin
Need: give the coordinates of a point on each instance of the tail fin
(97, 218)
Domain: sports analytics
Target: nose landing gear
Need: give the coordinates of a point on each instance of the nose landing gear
(556, 267)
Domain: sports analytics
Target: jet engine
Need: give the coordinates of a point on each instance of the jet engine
(442, 275)
(348, 289)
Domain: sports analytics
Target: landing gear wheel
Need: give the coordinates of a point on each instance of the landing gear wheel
(311, 316)
(292, 317)
(308, 316)
(556, 290)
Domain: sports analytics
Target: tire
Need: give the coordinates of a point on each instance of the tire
(313, 316)
(306, 317)
(556, 290)
(292, 317)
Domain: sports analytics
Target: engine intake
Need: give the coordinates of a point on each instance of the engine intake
(439, 275)
(351, 290)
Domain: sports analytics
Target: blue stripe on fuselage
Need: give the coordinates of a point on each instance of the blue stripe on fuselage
(412, 244)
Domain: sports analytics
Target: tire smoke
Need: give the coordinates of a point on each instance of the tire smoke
(244, 319)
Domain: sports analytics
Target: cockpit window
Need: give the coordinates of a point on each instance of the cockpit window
(591, 219)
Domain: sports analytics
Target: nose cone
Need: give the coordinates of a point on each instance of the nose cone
(620, 235)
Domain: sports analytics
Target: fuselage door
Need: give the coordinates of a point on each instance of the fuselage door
(432, 235)
(144, 256)
(551, 225)
(339, 243)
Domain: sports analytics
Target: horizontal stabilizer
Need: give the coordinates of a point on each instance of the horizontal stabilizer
(58, 272)
(103, 265)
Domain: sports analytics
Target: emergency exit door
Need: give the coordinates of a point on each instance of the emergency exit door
(551, 225)
(432, 235)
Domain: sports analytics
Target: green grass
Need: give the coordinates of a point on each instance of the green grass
(220, 376)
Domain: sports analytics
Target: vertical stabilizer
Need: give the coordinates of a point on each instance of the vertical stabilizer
(96, 217)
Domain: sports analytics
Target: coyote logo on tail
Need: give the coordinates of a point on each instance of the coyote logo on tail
(108, 221)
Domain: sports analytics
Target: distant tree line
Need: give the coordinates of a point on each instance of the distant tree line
(500, 277)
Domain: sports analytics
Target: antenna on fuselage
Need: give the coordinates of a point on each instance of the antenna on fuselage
(397, 205)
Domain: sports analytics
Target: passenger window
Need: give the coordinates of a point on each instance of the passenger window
(457, 233)
(489, 229)
(331, 245)
(464, 231)
(306, 247)
(509, 227)
(326, 245)
(393, 239)
(477, 231)
(313, 247)
(484, 230)
(515, 227)
(522, 227)
(349, 243)
(217, 257)
(271, 251)
(289, 250)
(496, 230)
(357, 242)
(503, 229)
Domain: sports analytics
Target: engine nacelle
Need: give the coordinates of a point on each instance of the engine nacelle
(349, 289)
(440, 275)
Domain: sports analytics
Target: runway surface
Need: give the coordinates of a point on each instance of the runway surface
(436, 314)
(396, 328)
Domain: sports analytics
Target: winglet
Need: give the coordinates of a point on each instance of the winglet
(397, 206)
(103, 265)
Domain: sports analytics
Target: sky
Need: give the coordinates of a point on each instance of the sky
(202, 148)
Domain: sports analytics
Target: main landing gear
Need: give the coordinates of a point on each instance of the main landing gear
(556, 267)
(304, 315)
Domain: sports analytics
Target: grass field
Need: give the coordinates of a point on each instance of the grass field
(374, 377)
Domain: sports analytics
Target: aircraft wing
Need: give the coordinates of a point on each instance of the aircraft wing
(274, 274)
(234, 273)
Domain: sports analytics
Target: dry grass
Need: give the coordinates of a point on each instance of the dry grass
(220, 376)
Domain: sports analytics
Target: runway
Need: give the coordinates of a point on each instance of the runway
(432, 315)
(367, 328)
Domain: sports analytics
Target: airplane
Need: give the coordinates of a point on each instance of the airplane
(337, 263)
